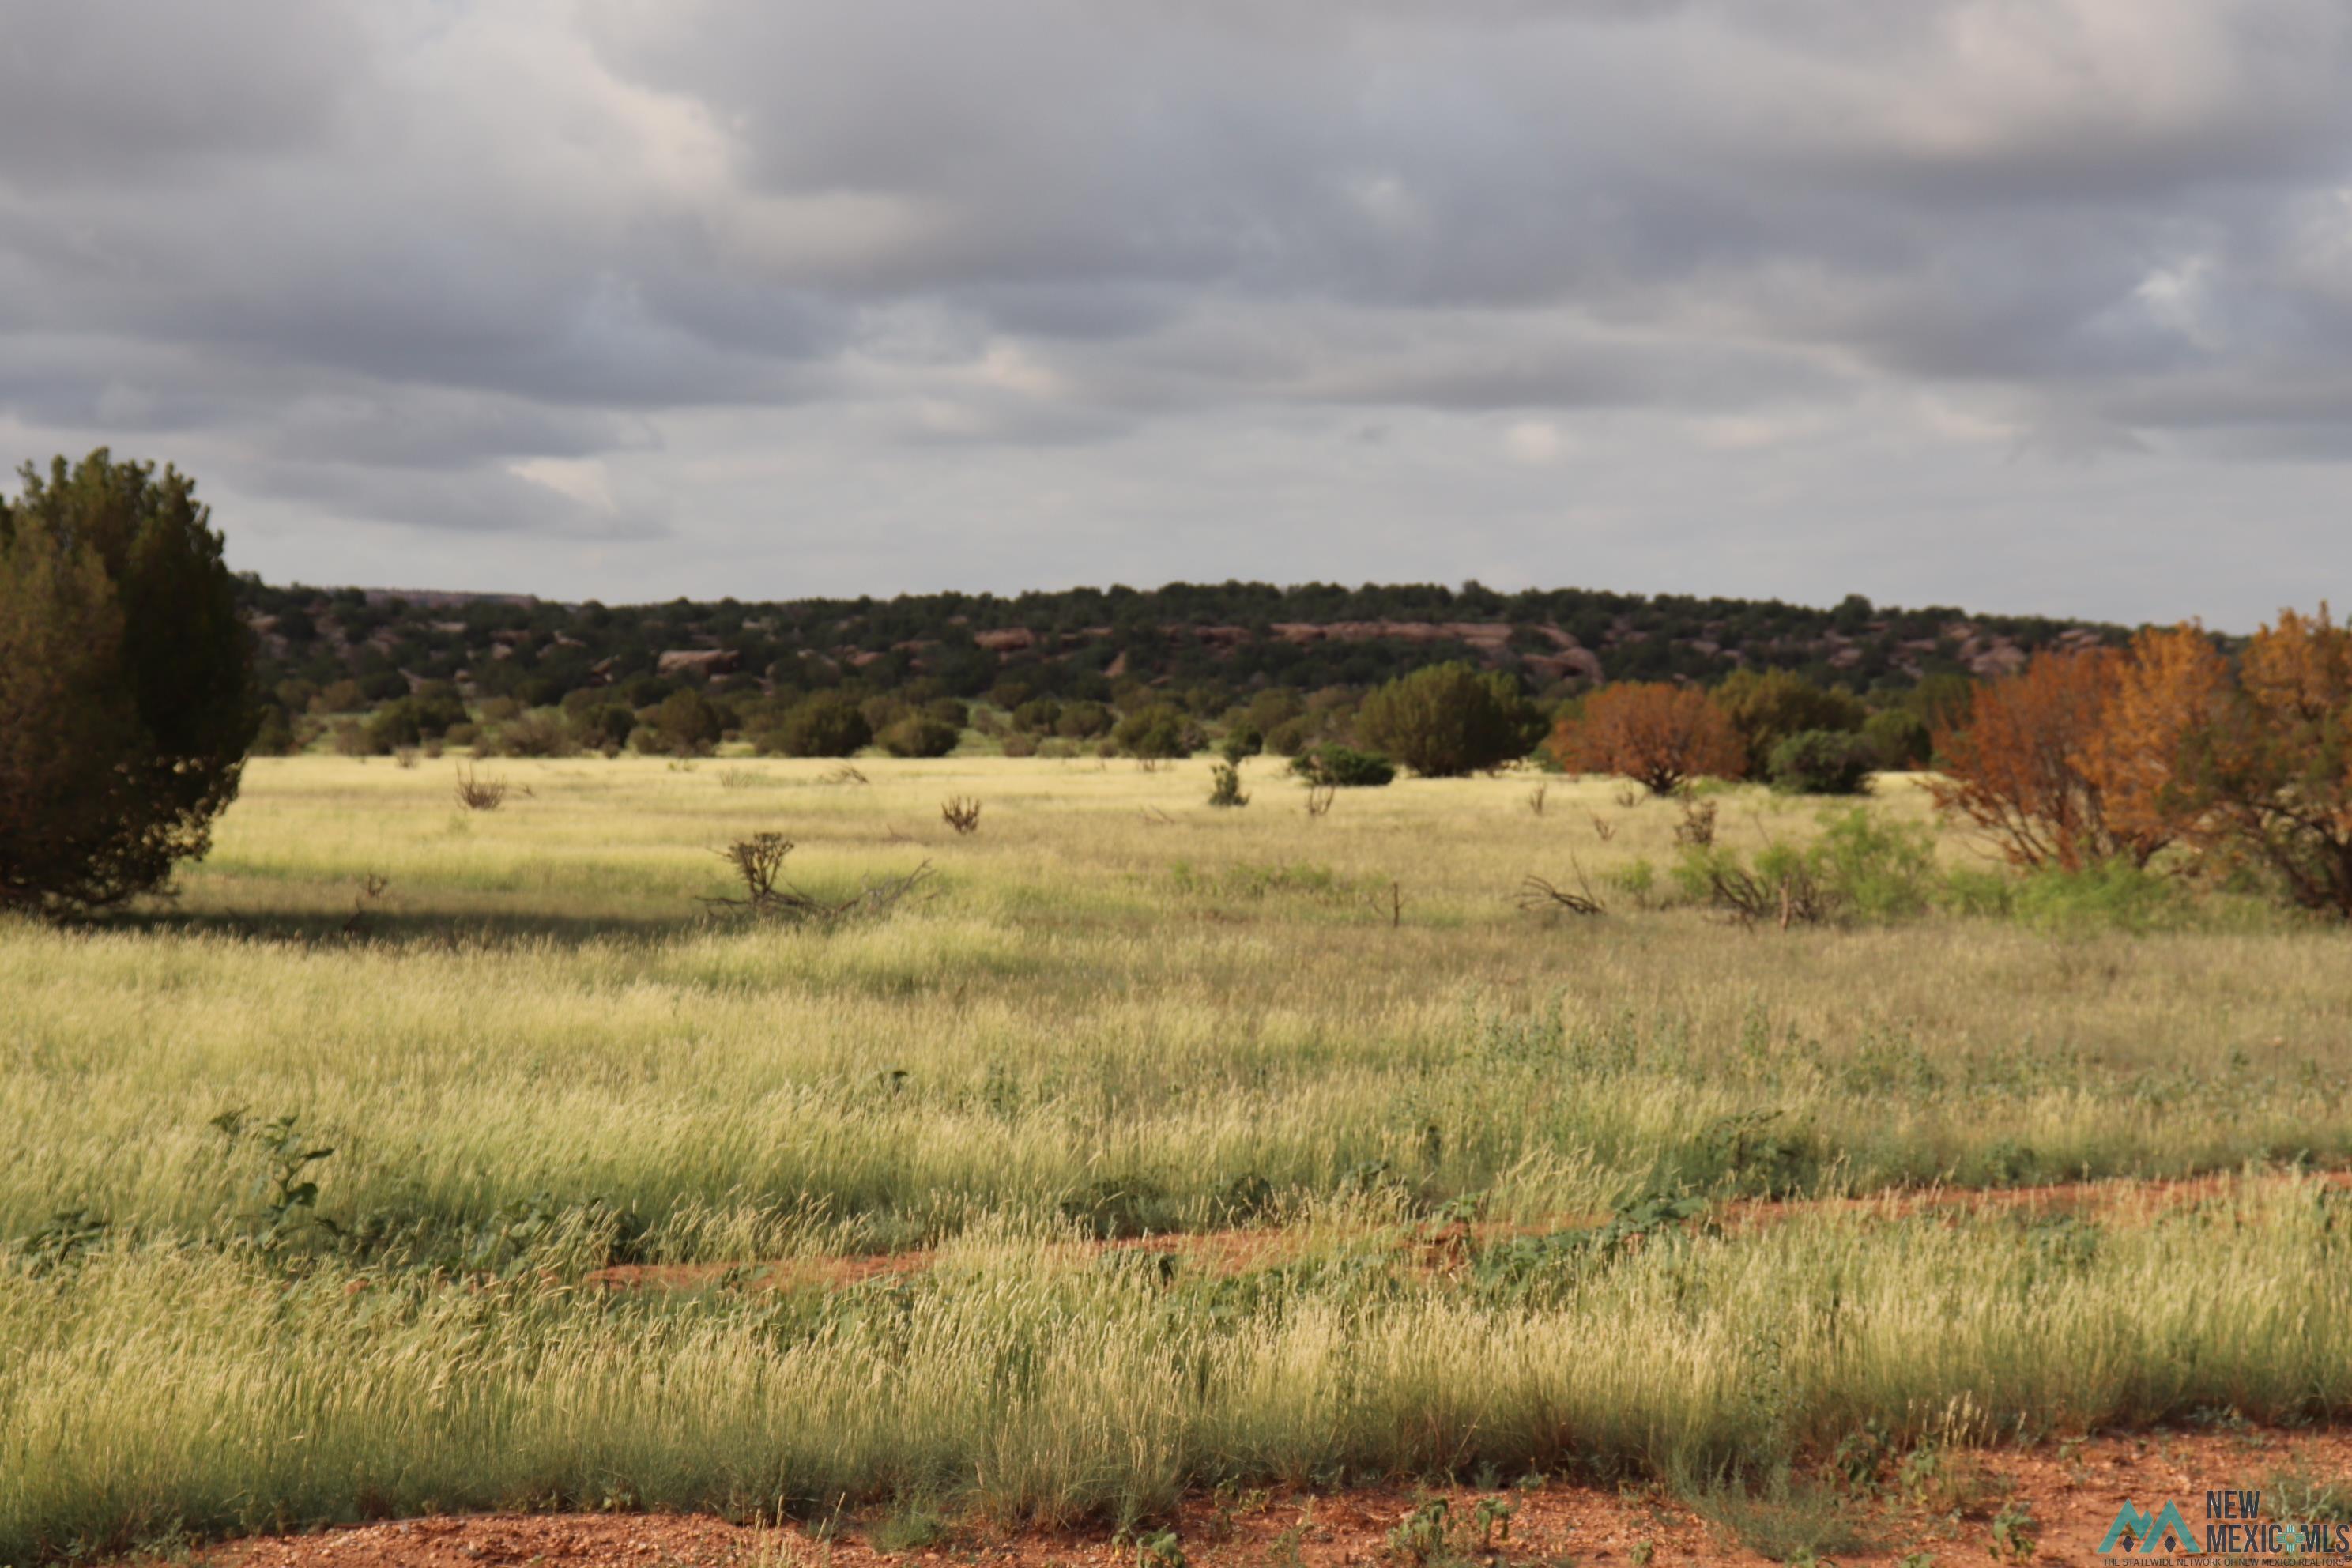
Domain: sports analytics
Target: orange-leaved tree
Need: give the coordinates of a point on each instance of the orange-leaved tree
(2271, 778)
(1654, 732)
(2014, 765)
(2079, 758)
(2171, 687)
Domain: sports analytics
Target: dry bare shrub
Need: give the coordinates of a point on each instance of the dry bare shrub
(758, 864)
(1539, 895)
(373, 888)
(1790, 895)
(1603, 828)
(844, 775)
(961, 812)
(1319, 798)
(1536, 798)
(1696, 830)
(478, 794)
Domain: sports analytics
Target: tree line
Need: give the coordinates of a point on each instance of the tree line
(133, 686)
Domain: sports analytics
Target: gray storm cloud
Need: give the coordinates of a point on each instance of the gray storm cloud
(1983, 301)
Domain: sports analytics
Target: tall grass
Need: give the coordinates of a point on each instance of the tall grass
(1124, 1012)
(148, 1389)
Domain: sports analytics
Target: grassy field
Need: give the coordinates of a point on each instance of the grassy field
(535, 1054)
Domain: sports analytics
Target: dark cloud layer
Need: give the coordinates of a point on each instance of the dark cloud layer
(2012, 301)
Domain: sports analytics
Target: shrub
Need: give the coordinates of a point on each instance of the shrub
(533, 735)
(826, 725)
(1823, 762)
(273, 736)
(1225, 785)
(1162, 729)
(1020, 745)
(126, 698)
(601, 724)
(1767, 707)
(1343, 767)
(1450, 719)
(689, 723)
(1656, 734)
(1241, 742)
(393, 727)
(1290, 738)
(1861, 867)
(339, 696)
(1899, 740)
(2107, 894)
(1083, 721)
(920, 735)
(1036, 716)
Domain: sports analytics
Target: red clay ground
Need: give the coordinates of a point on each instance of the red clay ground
(2071, 1490)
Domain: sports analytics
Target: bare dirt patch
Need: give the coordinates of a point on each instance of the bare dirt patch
(2066, 1496)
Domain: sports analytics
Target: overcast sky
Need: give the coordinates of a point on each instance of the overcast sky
(2018, 304)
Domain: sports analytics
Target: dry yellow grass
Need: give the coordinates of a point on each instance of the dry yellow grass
(535, 1052)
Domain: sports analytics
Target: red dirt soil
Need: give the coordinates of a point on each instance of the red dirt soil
(2071, 1490)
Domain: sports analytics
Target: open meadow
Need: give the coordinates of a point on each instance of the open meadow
(419, 1159)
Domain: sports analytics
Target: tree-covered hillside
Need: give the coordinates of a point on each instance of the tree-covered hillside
(1194, 641)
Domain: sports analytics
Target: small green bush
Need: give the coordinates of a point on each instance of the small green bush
(1290, 738)
(1823, 762)
(2107, 894)
(1451, 719)
(1038, 716)
(826, 725)
(920, 735)
(532, 735)
(690, 722)
(1162, 729)
(1900, 738)
(1861, 867)
(394, 727)
(1344, 766)
(1082, 721)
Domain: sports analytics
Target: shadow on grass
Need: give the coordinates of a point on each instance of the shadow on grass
(403, 930)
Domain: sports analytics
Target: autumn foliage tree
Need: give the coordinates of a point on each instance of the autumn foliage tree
(2077, 759)
(2268, 777)
(1654, 732)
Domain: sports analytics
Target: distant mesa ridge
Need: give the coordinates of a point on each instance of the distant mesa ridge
(1071, 641)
